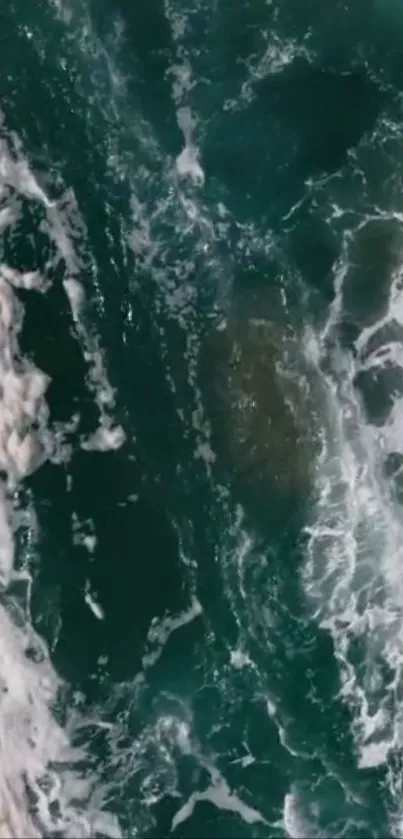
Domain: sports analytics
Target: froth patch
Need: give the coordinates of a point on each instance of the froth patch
(352, 573)
(108, 436)
(41, 789)
(22, 394)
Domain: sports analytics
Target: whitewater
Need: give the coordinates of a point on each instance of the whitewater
(337, 365)
(32, 740)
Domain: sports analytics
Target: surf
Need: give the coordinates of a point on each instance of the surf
(36, 797)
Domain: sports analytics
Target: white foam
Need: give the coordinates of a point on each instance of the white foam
(84, 533)
(161, 630)
(221, 796)
(293, 822)
(75, 294)
(31, 740)
(188, 164)
(172, 731)
(353, 573)
(108, 436)
(105, 439)
(92, 603)
(188, 161)
(277, 54)
(239, 660)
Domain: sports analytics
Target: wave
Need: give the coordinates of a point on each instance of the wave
(352, 575)
(43, 790)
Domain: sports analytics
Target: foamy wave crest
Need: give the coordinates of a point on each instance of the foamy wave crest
(41, 788)
(353, 573)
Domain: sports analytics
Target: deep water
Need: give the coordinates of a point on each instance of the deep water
(220, 592)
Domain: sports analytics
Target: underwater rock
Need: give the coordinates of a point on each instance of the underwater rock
(256, 409)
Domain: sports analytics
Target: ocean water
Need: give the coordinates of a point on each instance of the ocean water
(201, 398)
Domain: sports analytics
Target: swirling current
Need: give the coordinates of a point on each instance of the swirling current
(201, 391)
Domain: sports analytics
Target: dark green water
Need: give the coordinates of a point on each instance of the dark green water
(220, 594)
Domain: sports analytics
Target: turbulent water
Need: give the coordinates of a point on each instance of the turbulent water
(201, 394)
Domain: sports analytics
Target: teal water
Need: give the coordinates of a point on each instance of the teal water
(201, 380)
